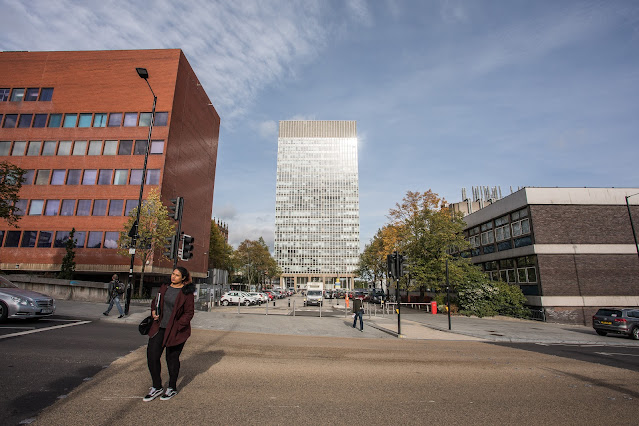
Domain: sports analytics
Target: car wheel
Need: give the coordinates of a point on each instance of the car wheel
(225, 302)
(635, 333)
(246, 303)
(4, 311)
(601, 332)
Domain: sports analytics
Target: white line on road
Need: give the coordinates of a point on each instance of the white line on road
(17, 328)
(614, 353)
(22, 333)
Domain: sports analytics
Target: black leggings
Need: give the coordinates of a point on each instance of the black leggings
(154, 353)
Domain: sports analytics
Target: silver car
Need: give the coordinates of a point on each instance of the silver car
(18, 303)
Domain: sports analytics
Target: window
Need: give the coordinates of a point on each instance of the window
(487, 237)
(57, 177)
(29, 238)
(157, 147)
(521, 227)
(61, 238)
(1, 237)
(161, 118)
(46, 94)
(489, 249)
(523, 241)
(125, 147)
(25, 120)
(34, 148)
(5, 147)
(502, 233)
(130, 205)
(35, 209)
(95, 148)
(68, 207)
(504, 245)
(99, 207)
(42, 177)
(121, 176)
(45, 239)
(32, 94)
(136, 177)
(111, 239)
(48, 148)
(52, 207)
(73, 177)
(4, 95)
(84, 208)
(64, 148)
(527, 275)
(55, 120)
(40, 120)
(10, 121)
(115, 207)
(130, 119)
(115, 119)
(12, 239)
(18, 148)
(21, 207)
(104, 177)
(85, 120)
(17, 95)
(69, 120)
(80, 148)
(140, 147)
(27, 178)
(80, 238)
(100, 120)
(89, 177)
(110, 148)
(145, 119)
(95, 239)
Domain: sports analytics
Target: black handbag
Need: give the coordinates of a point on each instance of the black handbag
(145, 325)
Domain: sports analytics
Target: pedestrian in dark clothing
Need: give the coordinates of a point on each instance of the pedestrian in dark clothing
(116, 289)
(358, 312)
(172, 310)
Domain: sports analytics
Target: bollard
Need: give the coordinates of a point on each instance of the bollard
(320, 306)
(266, 307)
(293, 307)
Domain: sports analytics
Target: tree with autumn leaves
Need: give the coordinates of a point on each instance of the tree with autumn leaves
(254, 261)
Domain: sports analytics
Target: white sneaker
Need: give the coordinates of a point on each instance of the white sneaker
(170, 393)
(153, 393)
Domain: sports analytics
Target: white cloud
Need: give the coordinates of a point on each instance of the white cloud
(268, 130)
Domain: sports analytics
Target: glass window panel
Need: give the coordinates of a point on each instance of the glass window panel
(104, 178)
(89, 177)
(111, 239)
(80, 148)
(68, 207)
(85, 120)
(19, 148)
(516, 229)
(35, 209)
(140, 147)
(121, 176)
(110, 148)
(10, 121)
(4, 95)
(52, 207)
(25, 120)
(145, 119)
(153, 177)
(5, 146)
(115, 119)
(27, 178)
(161, 118)
(504, 245)
(40, 120)
(136, 177)
(100, 120)
(525, 226)
(17, 95)
(61, 238)
(34, 148)
(29, 238)
(80, 238)
(69, 120)
(1, 237)
(55, 120)
(64, 148)
(99, 207)
(130, 119)
(32, 94)
(57, 177)
(21, 207)
(42, 177)
(521, 275)
(511, 275)
(84, 208)
(46, 94)
(125, 147)
(12, 239)
(523, 241)
(157, 147)
(95, 239)
(130, 205)
(95, 148)
(115, 207)
(48, 148)
(532, 275)
(73, 177)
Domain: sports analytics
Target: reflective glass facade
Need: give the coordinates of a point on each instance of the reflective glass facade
(317, 200)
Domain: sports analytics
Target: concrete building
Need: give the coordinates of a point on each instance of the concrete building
(570, 250)
(78, 122)
(317, 203)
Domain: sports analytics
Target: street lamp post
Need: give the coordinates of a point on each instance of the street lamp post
(143, 73)
(632, 225)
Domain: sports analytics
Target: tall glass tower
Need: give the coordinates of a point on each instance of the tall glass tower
(317, 203)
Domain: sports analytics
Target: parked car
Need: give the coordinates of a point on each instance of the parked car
(235, 297)
(18, 303)
(261, 297)
(377, 295)
(314, 297)
(618, 321)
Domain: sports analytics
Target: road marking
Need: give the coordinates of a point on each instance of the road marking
(57, 320)
(614, 353)
(17, 328)
(22, 333)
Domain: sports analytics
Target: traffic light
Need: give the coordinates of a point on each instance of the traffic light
(170, 248)
(187, 247)
(175, 210)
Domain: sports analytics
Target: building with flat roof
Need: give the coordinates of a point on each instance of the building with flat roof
(570, 250)
(78, 122)
(317, 203)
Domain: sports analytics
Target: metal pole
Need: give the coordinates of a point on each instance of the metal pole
(447, 294)
(632, 225)
(398, 300)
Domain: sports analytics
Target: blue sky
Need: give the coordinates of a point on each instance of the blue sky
(447, 94)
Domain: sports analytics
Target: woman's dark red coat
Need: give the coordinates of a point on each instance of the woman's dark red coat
(179, 327)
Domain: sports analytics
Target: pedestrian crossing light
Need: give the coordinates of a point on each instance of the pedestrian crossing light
(170, 247)
(175, 209)
(187, 247)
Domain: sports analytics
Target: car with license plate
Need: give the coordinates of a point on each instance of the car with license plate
(617, 321)
(19, 303)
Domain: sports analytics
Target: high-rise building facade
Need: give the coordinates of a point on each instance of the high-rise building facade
(317, 203)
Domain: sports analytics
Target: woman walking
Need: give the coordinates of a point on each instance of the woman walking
(170, 329)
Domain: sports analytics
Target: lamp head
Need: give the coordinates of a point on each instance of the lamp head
(143, 73)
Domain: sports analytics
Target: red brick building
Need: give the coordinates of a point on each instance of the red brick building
(78, 122)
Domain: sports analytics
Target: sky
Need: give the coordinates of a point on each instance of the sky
(447, 94)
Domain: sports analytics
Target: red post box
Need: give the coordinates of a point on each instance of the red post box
(433, 307)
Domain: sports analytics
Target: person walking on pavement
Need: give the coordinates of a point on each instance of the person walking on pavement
(115, 290)
(358, 312)
(172, 310)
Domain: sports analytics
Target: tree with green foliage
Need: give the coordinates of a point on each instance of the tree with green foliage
(154, 228)
(220, 252)
(11, 177)
(68, 262)
(253, 260)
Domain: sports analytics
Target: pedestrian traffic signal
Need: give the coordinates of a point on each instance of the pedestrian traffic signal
(187, 247)
(175, 210)
(170, 248)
